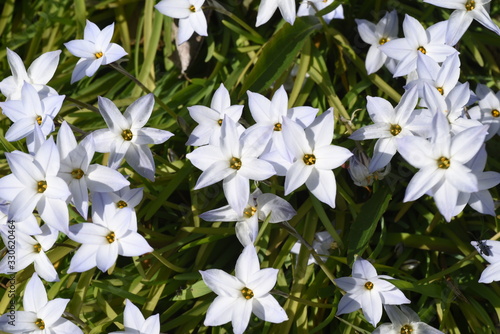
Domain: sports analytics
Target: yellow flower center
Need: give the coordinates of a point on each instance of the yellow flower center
(368, 285)
(309, 159)
(98, 55)
(39, 120)
(111, 237)
(247, 293)
(41, 186)
(395, 129)
(219, 122)
(37, 248)
(443, 163)
(250, 211)
(383, 40)
(277, 127)
(77, 173)
(422, 49)
(406, 329)
(127, 135)
(192, 8)
(235, 163)
(440, 90)
(470, 5)
(39, 322)
(495, 113)
(121, 204)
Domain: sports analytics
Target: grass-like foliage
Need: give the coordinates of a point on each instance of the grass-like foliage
(320, 65)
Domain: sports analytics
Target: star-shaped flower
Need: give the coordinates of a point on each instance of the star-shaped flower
(79, 174)
(210, 119)
(490, 251)
(429, 41)
(465, 12)
(94, 50)
(238, 297)
(488, 110)
(368, 291)
(306, 8)
(268, 7)
(39, 74)
(190, 15)
(40, 315)
(404, 320)
(126, 136)
(377, 35)
(136, 324)
(34, 183)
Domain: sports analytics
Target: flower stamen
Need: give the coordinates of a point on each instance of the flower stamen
(235, 163)
(77, 173)
(121, 204)
(250, 211)
(41, 186)
(277, 127)
(422, 49)
(98, 55)
(39, 120)
(395, 129)
(37, 248)
(443, 163)
(470, 5)
(440, 90)
(495, 113)
(111, 237)
(368, 285)
(219, 122)
(192, 8)
(40, 323)
(406, 329)
(309, 159)
(383, 40)
(247, 293)
(127, 135)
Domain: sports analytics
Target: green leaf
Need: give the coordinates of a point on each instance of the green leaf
(365, 224)
(279, 53)
(196, 290)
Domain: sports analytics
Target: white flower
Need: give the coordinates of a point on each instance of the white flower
(490, 251)
(404, 320)
(268, 7)
(31, 112)
(465, 12)
(488, 111)
(322, 244)
(268, 115)
(28, 226)
(429, 41)
(104, 239)
(136, 324)
(79, 174)
(39, 73)
(34, 183)
(30, 250)
(235, 161)
(40, 315)
(259, 207)
(127, 137)
(94, 50)
(369, 291)
(306, 9)
(359, 172)
(392, 124)
(442, 162)
(190, 15)
(210, 119)
(377, 35)
(237, 297)
(315, 157)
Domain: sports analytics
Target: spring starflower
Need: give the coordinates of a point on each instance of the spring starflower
(40, 315)
(404, 320)
(268, 7)
(465, 12)
(488, 110)
(368, 291)
(136, 324)
(190, 15)
(238, 297)
(490, 251)
(126, 136)
(306, 8)
(94, 50)
(38, 74)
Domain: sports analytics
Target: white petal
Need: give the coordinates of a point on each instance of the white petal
(247, 264)
(35, 297)
(268, 309)
(106, 256)
(296, 176)
(322, 184)
(43, 68)
(237, 190)
(222, 283)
